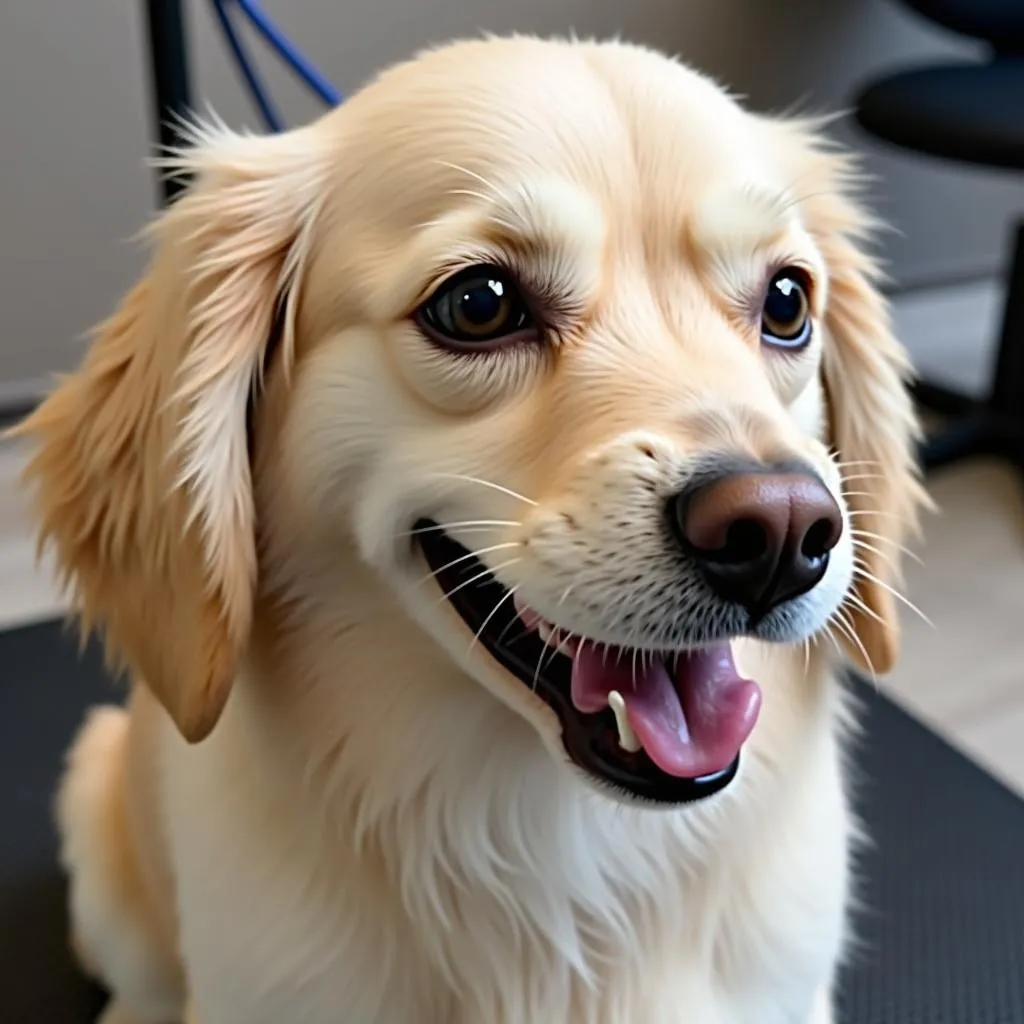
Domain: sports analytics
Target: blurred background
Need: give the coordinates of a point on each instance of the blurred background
(75, 120)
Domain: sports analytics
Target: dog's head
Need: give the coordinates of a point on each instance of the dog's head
(560, 327)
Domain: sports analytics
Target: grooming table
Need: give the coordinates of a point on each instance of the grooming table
(941, 926)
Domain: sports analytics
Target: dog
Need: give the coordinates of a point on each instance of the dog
(483, 488)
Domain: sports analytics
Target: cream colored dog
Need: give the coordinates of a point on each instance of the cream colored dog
(480, 486)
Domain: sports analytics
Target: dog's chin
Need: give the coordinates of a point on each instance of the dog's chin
(663, 729)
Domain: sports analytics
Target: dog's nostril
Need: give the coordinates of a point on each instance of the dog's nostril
(746, 540)
(818, 541)
(758, 537)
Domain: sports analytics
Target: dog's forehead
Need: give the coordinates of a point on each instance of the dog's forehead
(616, 120)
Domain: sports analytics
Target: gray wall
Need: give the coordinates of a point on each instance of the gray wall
(74, 126)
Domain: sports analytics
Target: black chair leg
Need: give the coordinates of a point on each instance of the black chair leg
(964, 440)
(169, 72)
(995, 426)
(1007, 399)
(942, 400)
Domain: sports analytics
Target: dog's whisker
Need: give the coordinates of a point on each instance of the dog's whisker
(470, 193)
(428, 225)
(545, 647)
(526, 630)
(557, 640)
(849, 630)
(840, 622)
(464, 525)
(466, 557)
(866, 513)
(488, 483)
(565, 594)
(902, 548)
(827, 633)
(859, 531)
(502, 222)
(860, 543)
(494, 611)
(461, 529)
(500, 193)
(853, 599)
(830, 636)
(479, 576)
(865, 574)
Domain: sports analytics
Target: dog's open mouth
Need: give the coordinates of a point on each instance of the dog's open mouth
(666, 728)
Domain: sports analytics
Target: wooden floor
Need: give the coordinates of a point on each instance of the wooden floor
(964, 675)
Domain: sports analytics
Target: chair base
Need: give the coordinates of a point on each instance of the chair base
(993, 428)
(978, 433)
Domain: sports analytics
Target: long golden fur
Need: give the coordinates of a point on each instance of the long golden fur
(324, 802)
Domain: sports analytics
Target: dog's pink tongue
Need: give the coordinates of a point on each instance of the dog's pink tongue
(691, 725)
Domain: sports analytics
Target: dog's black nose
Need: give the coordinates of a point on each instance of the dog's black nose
(759, 537)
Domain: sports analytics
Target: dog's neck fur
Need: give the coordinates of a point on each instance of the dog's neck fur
(492, 836)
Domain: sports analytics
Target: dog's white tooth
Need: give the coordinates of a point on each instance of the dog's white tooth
(545, 631)
(627, 738)
(565, 648)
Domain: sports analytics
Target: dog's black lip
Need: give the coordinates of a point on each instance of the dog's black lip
(589, 739)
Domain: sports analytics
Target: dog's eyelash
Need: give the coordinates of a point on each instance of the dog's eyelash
(553, 308)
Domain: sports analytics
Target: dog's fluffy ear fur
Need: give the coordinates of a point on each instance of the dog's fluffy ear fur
(872, 423)
(141, 470)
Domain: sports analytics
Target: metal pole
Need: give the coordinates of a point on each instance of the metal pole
(171, 96)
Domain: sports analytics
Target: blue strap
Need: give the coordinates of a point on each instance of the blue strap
(285, 49)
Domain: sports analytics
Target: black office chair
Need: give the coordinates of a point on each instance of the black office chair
(972, 113)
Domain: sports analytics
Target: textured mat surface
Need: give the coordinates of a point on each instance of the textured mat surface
(942, 930)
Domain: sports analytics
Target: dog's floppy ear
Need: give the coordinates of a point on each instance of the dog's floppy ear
(141, 467)
(872, 423)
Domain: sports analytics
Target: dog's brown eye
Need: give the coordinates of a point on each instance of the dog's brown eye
(478, 308)
(786, 314)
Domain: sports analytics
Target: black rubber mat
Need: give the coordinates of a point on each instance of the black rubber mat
(941, 930)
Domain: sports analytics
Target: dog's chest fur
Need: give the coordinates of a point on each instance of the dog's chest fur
(492, 888)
